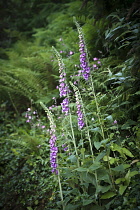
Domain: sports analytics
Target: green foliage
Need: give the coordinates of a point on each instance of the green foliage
(23, 77)
(25, 169)
(102, 172)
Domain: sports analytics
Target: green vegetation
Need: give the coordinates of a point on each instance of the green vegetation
(50, 99)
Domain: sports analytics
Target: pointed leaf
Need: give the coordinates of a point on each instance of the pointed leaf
(89, 178)
(118, 168)
(72, 158)
(102, 189)
(80, 169)
(127, 152)
(119, 180)
(108, 195)
(97, 144)
(109, 118)
(122, 189)
(97, 129)
(133, 173)
(103, 175)
(94, 166)
(86, 202)
(100, 156)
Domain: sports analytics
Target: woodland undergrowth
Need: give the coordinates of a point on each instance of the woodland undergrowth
(83, 151)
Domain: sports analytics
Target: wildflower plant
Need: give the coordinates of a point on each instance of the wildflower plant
(93, 164)
(64, 92)
(63, 86)
(79, 106)
(53, 148)
(84, 62)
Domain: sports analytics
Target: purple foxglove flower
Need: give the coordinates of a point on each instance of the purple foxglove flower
(63, 145)
(65, 106)
(80, 114)
(115, 122)
(65, 149)
(71, 53)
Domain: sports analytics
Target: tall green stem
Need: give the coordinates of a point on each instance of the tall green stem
(78, 96)
(97, 107)
(60, 188)
(89, 139)
(102, 130)
(74, 142)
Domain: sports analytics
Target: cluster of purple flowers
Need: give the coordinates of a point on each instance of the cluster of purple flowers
(63, 87)
(52, 141)
(53, 147)
(65, 106)
(79, 106)
(83, 58)
(33, 119)
(65, 147)
(53, 151)
(96, 65)
(80, 115)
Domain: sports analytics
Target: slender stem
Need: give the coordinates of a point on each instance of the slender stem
(88, 136)
(98, 114)
(89, 139)
(60, 188)
(74, 142)
(97, 107)
(110, 171)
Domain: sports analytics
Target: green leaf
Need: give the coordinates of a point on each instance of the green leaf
(111, 159)
(71, 206)
(128, 124)
(127, 178)
(119, 180)
(133, 173)
(97, 144)
(86, 202)
(122, 189)
(80, 169)
(127, 152)
(29, 208)
(102, 189)
(100, 156)
(109, 118)
(72, 158)
(137, 93)
(108, 195)
(103, 175)
(119, 74)
(89, 178)
(119, 168)
(95, 166)
(97, 130)
(138, 164)
(82, 151)
(124, 103)
(126, 166)
(36, 202)
(123, 151)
